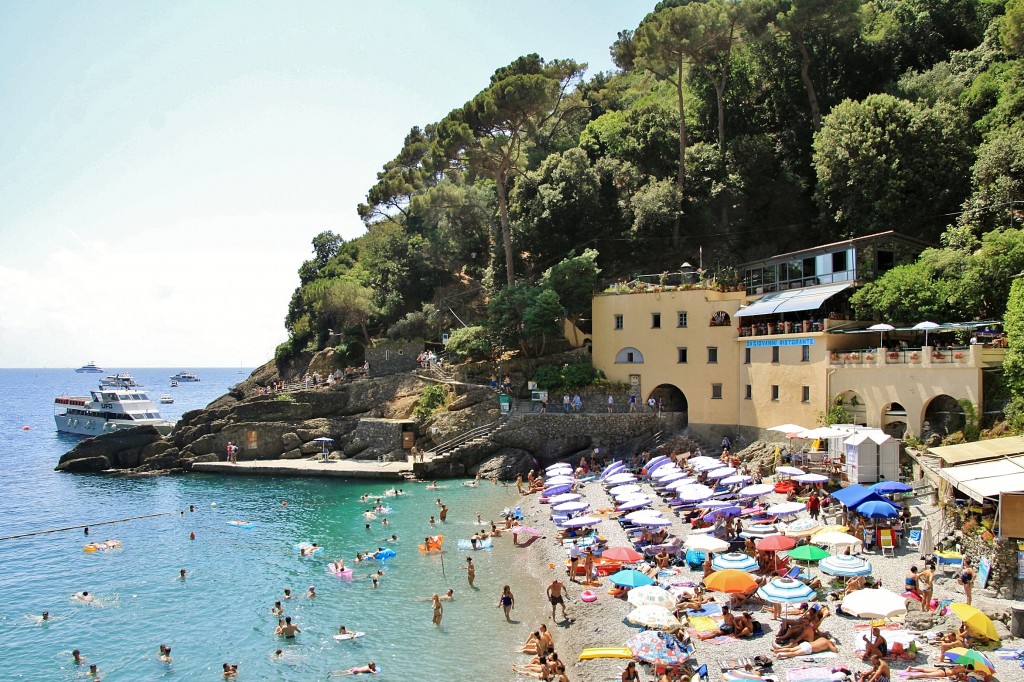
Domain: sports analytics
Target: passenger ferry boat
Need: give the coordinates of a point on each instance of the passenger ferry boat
(108, 409)
(185, 376)
(90, 368)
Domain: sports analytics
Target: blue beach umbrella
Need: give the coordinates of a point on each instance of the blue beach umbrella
(890, 487)
(723, 513)
(844, 566)
(734, 561)
(873, 509)
(630, 578)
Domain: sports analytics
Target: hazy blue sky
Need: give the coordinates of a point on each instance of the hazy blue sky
(165, 165)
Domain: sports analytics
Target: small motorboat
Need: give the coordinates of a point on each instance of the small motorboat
(174, 383)
(167, 399)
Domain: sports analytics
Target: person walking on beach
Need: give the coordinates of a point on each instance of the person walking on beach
(967, 578)
(556, 598)
(814, 505)
(470, 570)
(507, 602)
(574, 559)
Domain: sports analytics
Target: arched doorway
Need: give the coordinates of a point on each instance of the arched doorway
(854, 406)
(943, 415)
(672, 400)
(894, 420)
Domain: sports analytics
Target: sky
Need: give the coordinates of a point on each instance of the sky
(164, 166)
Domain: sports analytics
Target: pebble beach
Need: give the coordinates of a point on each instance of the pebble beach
(602, 623)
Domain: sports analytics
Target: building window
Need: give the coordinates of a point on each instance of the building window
(716, 391)
(775, 355)
(775, 392)
(749, 394)
(839, 261)
(746, 356)
(681, 318)
(655, 320)
(712, 355)
(805, 353)
(618, 321)
(805, 394)
(629, 356)
(682, 356)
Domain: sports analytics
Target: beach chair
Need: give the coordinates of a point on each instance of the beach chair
(887, 541)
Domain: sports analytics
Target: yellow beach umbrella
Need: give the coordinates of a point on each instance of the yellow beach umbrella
(975, 620)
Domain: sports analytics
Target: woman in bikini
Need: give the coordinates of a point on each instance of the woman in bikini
(967, 578)
(926, 583)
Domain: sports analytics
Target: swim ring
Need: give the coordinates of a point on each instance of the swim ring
(588, 596)
(307, 545)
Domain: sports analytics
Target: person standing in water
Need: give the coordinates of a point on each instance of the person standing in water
(507, 602)
(470, 570)
(438, 609)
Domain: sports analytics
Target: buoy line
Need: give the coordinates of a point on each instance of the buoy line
(84, 525)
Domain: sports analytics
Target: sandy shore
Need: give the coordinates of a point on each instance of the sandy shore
(602, 623)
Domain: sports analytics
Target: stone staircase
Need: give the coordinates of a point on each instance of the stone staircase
(439, 456)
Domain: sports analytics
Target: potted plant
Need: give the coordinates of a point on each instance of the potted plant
(915, 356)
(958, 355)
(937, 355)
(894, 355)
(869, 357)
(835, 357)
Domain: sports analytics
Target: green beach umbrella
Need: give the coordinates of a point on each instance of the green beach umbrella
(808, 553)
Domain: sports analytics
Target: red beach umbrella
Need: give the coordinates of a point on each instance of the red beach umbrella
(624, 555)
(776, 543)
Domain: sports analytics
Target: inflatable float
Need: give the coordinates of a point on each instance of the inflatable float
(606, 652)
(384, 554)
(588, 596)
(240, 524)
(349, 635)
(435, 544)
(486, 543)
(382, 510)
(105, 546)
(306, 548)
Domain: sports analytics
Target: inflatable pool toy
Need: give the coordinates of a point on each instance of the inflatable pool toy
(384, 554)
(105, 546)
(606, 652)
(435, 544)
(369, 516)
(382, 509)
(239, 524)
(486, 543)
(308, 547)
(349, 635)
(588, 596)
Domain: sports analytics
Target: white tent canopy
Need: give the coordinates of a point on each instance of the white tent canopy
(987, 479)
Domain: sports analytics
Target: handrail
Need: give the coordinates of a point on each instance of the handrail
(463, 438)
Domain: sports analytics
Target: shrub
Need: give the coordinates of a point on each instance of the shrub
(576, 375)
(433, 398)
(284, 352)
(469, 343)
(548, 377)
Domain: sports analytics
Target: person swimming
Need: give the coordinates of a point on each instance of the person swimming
(165, 653)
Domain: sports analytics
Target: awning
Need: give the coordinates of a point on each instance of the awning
(987, 479)
(980, 450)
(792, 300)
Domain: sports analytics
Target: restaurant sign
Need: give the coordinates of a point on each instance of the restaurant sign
(762, 343)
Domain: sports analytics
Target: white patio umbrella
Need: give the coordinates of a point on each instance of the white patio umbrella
(694, 492)
(571, 507)
(879, 603)
(881, 328)
(789, 471)
(835, 539)
(564, 497)
(705, 543)
(787, 428)
(641, 514)
(708, 466)
(721, 472)
(811, 478)
(655, 617)
(559, 480)
(926, 326)
(737, 479)
(619, 479)
(663, 471)
(756, 490)
(681, 482)
(785, 508)
(674, 476)
(623, 489)
(927, 543)
(702, 459)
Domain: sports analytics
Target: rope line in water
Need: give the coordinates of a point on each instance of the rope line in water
(84, 525)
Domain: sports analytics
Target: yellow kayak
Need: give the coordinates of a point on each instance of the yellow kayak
(606, 652)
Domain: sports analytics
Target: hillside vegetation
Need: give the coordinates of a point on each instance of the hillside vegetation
(731, 130)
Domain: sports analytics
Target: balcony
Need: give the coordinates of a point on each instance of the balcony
(928, 356)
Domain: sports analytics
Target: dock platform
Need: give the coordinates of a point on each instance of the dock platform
(353, 469)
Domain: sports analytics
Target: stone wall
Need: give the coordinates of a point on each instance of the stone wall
(1002, 579)
(374, 438)
(552, 437)
(391, 357)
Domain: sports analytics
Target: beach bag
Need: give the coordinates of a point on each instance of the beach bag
(897, 649)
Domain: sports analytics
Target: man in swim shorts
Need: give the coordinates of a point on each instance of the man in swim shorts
(574, 559)
(806, 648)
(556, 597)
(289, 629)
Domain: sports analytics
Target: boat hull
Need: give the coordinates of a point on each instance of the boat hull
(88, 426)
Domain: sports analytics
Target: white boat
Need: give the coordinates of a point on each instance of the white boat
(119, 380)
(166, 399)
(108, 409)
(185, 376)
(173, 383)
(90, 368)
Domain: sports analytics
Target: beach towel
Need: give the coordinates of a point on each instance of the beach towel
(891, 637)
(704, 623)
(815, 658)
(809, 675)
(736, 663)
(710, 609)
(722, 639)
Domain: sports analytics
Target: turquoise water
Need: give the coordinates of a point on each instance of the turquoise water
(221, 611)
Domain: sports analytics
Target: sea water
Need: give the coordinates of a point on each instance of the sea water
(221, 611)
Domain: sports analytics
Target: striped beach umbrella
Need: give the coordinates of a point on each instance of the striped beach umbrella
(802, 527)
(785, 591)
(962, 656)
(735, 561)
(654, 617)
(845, 566)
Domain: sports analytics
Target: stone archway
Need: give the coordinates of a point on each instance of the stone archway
(894, 420)
(854, 406)
(672, 400)
(943, 415)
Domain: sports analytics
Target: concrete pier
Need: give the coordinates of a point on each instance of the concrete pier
(361, 470)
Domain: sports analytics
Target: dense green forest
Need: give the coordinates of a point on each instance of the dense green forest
(731, 128)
